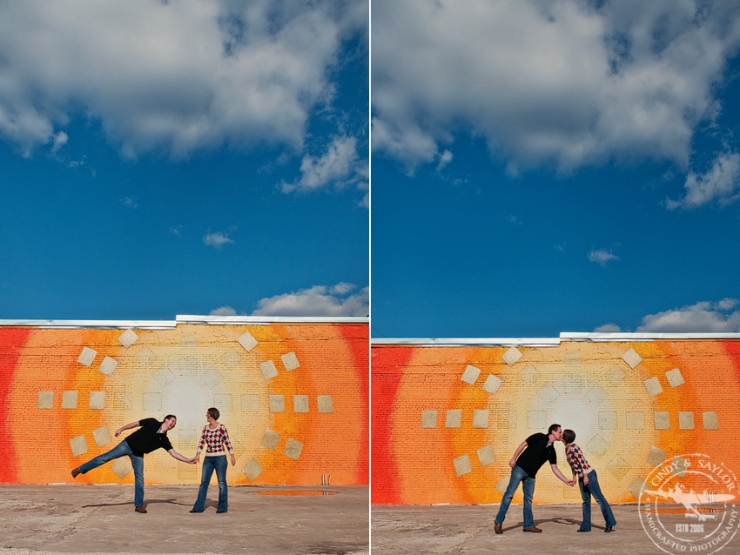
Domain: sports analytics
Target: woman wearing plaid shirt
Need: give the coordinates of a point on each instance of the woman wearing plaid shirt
(588, 483)
(216, 439)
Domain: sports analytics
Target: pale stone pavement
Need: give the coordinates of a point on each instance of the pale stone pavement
(101, 519)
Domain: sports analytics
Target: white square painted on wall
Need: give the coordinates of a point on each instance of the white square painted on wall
(46, 400)
(277, 403)
(128, 338)
(326, 406)
(290, 361)
(102, 436)
(97, 400)
(470, 375)
(252, 470)
(429, 419)
(269, 370)
(293, 449)
(78, 445)
(247, 341)
(653, 386)
(87, 356)
(491, 384)
(300, 403)
(108, 366)
(462, 465)
(632, 358)
(270, 439)
(69, 400)
(512, 356)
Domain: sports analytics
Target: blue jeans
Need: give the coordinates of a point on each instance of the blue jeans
(518, 475)
(586, 492)
(137, 462)
(209, 463)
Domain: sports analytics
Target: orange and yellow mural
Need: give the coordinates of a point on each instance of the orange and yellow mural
(293, 395)
(446, 420)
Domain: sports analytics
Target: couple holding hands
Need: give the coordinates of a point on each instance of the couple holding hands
(529, 458)
(152, 435)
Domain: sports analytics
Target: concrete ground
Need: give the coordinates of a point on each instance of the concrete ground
(468, 530)
(101, 519)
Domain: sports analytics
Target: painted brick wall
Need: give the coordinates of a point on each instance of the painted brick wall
(294, 398)
(447, 420)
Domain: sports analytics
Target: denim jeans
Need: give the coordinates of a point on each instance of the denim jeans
(518, 475)
(137, 462)
(586, 492)
(209, 464)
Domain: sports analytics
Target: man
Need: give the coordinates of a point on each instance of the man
(150, 436)
(527, 460)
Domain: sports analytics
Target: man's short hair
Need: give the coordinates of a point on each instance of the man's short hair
(169, 416)
(552, 428)
(569, 436)
(213, 411)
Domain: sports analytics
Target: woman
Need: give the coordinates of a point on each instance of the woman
(215, 438)
(588, 483)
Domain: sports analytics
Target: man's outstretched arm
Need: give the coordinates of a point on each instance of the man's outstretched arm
(179, 457)
(127, 427)
(556, 471)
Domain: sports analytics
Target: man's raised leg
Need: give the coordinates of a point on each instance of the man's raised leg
(119, 450)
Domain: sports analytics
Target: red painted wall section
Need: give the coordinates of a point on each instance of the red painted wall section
(11, 342)
(390, 365)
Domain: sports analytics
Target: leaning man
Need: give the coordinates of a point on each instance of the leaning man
(527, 460)
(151, 435)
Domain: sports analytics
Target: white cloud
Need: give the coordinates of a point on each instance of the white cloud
(170, 76)
(608, 328)
(444, 159)
(59, 140)
(601, 256)
(338, 167)
(223, 311)
(216, 239)
(129, 202)
(318, 300)
(720, 184)
(565, 83)
(700, 317)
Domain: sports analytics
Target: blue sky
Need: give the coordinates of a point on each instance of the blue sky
(541, 167)
(183, 158)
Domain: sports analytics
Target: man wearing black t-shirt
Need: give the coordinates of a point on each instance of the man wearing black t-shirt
(151, 435)
(527, 460)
